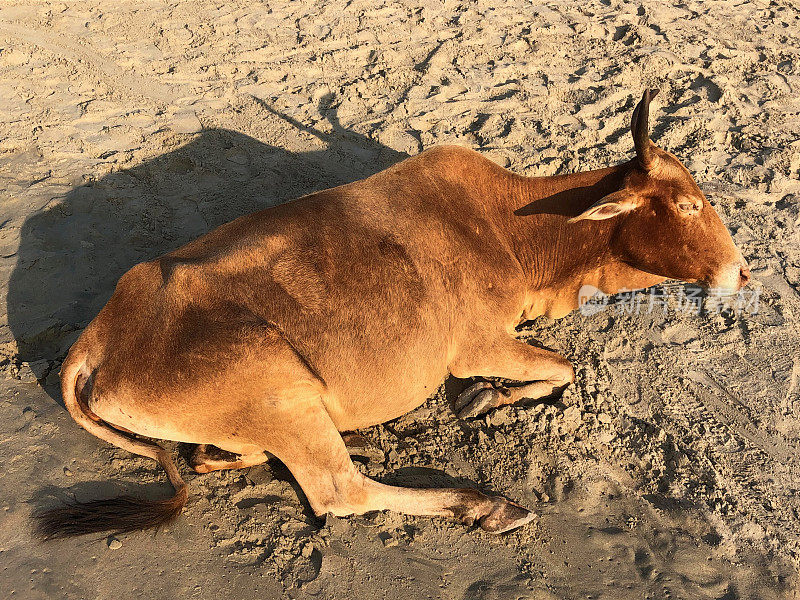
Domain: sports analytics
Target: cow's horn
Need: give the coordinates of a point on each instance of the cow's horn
(641, 141)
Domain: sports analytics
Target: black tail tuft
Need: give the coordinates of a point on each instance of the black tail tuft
(118, 515)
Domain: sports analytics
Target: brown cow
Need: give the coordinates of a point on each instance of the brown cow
(348, 307)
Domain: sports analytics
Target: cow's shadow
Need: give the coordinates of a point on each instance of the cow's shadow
(73, 251)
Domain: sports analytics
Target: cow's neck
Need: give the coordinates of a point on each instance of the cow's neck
(558, 257)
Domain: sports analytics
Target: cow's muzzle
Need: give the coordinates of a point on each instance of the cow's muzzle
(730, 279)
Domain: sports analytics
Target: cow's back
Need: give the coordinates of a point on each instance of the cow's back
(366, 282)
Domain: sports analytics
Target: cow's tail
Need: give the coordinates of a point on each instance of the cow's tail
(121, 514)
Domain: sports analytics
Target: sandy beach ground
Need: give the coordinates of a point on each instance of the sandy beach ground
(670, 470)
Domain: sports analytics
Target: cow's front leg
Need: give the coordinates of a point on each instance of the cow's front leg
(544, 372)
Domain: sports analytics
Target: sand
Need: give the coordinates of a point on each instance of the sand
(668, 471)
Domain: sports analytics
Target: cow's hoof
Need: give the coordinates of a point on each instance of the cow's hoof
(477, 399)
(505, 516)
(207, 458)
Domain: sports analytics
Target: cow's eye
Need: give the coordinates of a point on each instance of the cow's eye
(688, 207)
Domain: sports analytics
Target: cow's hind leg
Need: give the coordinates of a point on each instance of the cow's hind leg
(313, 450)
(207, 458)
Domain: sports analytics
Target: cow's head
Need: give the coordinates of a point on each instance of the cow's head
(666, 226)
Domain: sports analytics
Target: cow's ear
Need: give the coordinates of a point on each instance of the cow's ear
(617, 203)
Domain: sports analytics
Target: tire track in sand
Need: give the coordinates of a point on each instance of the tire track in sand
(125, 82)
(774, 446)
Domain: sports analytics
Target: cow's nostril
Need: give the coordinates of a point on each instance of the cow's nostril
(744, 275)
